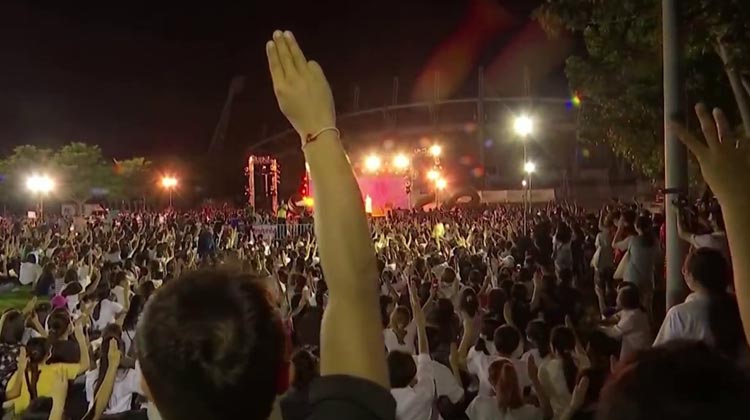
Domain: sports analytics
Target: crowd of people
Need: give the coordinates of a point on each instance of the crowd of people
(452, 314)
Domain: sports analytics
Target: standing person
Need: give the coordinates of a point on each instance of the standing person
(558, 376)
(30, 270)
(642, 252)
(281, 215)
(716, 239)
(295, 404)
(401, 332)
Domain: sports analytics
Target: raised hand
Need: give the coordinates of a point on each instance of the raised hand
(301, 88)
(720, 159)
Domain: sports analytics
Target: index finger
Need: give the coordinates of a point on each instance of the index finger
(708, 125)
(274, 64)
(298, 57)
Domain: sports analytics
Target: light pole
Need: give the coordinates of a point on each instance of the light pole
(523, 126)
(529, 168)
(40, 185)
(169, 183)
(440, 185)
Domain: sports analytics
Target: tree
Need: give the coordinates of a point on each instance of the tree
(619, 73)
(23, 162)
(83, 172)
(132, 179)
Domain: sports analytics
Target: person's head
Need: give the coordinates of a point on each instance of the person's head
(112, 333)
(39, 409)
(400, 318)
(208, 340)
(519, 292)
(71, 276)
(137, 303)
(38, 350)
(496, 301)
(507, 340)
(643, 227)
(401, 369)
(12, 331)
(565, 277)
(58, 325)
(628, 297)
(487, 332)
(707, 272)
(504, 380)
(469, 303)
(537, 333)
(676, 381)
(304, 369)
(31, 258)
(562, 344)
(386, 307)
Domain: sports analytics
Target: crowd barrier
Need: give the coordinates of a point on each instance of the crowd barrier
(279, 231)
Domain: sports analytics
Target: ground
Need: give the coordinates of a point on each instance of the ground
(16, 299)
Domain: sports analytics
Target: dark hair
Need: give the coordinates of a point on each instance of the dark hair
(108, 333)
(681, 380)
(629, 296)
(137, 303)
(506, 339)
(489, 325)
(385, 316)
(538, 332)
(305, 369)
(709, 268)
(401, 369)
(37, 349)
(496, 299)
(58, 324)
(597, 378)
(103, 291)
(71, 276)
(468, 302)
(563, 341)
(647, 238)
(13, 328)
(207, 340)
(39, 409)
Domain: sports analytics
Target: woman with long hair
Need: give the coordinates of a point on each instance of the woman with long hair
(641, 263)
(558, 375)
(127, 381)
(295, 404)
(507, 402)
(59, 329)
(710, 313)
(401, 331)
(537, 335)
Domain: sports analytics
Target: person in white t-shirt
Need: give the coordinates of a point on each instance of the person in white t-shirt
(632, 326)
(127, 381)
(508, 346)
(106, 311)
(30, 270)
(401, 332)
(413, 386)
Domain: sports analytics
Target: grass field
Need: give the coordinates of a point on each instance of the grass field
(16, 299)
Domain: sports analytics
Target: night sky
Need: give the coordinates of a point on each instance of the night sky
(150, 78)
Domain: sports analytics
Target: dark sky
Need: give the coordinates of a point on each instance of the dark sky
(145, 78)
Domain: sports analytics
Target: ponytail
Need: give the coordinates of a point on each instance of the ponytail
(563, 342)
(504, 379)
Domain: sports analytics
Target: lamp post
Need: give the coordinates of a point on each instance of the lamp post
(529, 168)
(40, 185)
(523, 126)
(169, 183)
(440, 185)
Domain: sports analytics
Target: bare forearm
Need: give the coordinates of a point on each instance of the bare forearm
(738, 236)
(348, 260)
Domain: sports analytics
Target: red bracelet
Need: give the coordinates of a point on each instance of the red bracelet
(312, 137)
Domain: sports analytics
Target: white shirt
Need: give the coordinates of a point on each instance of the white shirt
(633, 329)
(391, 341)
(415, 403)
(552, 380)
(714, 240)
(478, 364)
(485, 408)
(127, 382)
(687, 321)
(446, 383)
(29, 273)
(107, 314)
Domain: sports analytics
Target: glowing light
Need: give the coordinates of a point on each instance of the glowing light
(441, 183)
(372, 163)
(524, 183)
(529, 167)
(433, 175)
(307, 201)
(576, 100)
(368, 204)
(436, 150)
(523, 125)
(169, 182)
(400, 161)
(41, 184)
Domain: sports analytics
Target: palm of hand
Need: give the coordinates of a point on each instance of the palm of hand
(301, 88)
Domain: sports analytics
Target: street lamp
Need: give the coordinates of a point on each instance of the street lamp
(400, 161)
(40, 185)
(436, 150)
(169, 183)
(372, 163)
(433, 175)
(523, 125)
(440, 184)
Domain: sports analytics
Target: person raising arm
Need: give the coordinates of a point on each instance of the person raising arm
(721, 162)
(351, 326)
